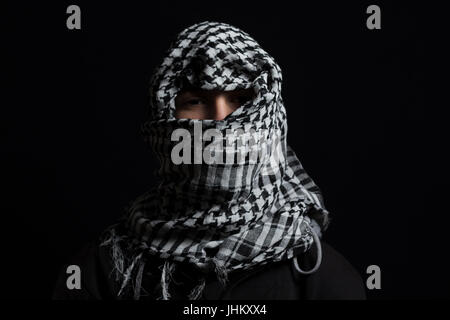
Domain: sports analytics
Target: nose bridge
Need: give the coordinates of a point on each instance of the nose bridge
(221, 107)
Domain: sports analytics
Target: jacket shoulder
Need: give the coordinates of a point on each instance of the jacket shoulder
(336, 278)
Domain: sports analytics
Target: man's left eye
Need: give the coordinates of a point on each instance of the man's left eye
(241, 99)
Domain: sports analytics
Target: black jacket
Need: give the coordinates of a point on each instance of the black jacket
(335, 279)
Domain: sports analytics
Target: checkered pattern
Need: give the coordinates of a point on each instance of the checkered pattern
(237, 215)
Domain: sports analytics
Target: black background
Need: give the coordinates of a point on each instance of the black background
(72, 155)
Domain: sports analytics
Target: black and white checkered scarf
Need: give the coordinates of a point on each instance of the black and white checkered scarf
(220, 217)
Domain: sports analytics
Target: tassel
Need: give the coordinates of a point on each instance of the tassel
(118, 257)
(166, 275)
(138, 284)
(197, 291)
(127, 274)
(221, 271)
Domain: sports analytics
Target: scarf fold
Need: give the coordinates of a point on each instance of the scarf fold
(226, 215)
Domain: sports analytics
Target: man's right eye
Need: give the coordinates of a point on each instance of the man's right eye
(194, 101)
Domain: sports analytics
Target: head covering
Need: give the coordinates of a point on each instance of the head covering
(219, 217)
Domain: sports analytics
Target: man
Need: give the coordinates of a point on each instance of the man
(235, 215)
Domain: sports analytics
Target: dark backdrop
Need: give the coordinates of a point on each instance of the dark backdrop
(72, 156)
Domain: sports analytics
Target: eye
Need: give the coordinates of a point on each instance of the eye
(194, 101)
(241, 99)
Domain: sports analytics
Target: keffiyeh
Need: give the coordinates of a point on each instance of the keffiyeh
(223, 216)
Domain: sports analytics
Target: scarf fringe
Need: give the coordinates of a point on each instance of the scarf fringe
(197, 291)
(166, 277)
(119, 259)
(220, 270)
(195, 294)
(138, 283)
